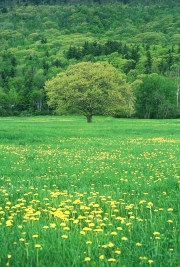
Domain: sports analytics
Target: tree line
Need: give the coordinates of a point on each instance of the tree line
(39, 42)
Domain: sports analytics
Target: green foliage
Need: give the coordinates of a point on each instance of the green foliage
(90, 88)
(156, 97)
(39, 39)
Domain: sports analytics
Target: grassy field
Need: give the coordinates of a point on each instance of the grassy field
(79, 194)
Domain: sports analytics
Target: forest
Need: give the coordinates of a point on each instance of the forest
(40, 39)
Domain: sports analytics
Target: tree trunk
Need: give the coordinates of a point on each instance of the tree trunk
(89, 118)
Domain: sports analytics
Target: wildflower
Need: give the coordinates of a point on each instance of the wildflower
(66, 228)
(170, 209)
(101, 257)
(21, 239)
(142, 258)
(63, 224)
(37, 246)
(87, 259)
(117, 251)
(170, 221)
(156, 233)
(119, 228)
(9, 256)
(45, 227)
(138, 244)
(150, 261)
(88, 242)
(53, 225)
(113, 233)
(110, 245)
(35, 236)
(64, 236)
(124, 238)
(111, 259)
(82, 232)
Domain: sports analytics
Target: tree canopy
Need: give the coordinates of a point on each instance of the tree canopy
(90, 88)
(156, 97)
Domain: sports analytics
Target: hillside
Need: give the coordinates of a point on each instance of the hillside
(42, 38)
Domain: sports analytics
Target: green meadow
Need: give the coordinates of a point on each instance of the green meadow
(101, 194)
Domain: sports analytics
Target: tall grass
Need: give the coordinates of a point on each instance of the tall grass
(100, 194)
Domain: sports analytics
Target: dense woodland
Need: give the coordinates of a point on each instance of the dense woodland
(39, 39)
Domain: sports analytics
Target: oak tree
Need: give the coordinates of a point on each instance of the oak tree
(90, 88)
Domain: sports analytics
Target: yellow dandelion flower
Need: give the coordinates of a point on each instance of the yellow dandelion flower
(170, 221)
(52, 225)
(9, 256)
(119, 228)
(82, 232)
(111, 259)
(88, 242)
(170, 209)
(138, 244)
(45, 227)
(20, 226)
(156, 233)
(113, 233)
(87, 259)
(63, 224)
(124, 238)
(110, 245)
(117, 251)
(35, 236)
(101, 257)
(21, 239)
(142, 258)
(150, 261)
(64, 236)
(37, 246)
(66, 228)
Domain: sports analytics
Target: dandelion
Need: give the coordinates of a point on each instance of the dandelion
(37, 246)
(110, 245)
(138, 244)
(117, 251)
(113, 233)
(35, 236)
(9, 256)
(150, 261)
(101, 257)
(156, 233)
(142, 258)
(88, 242)
(170, 209)
(87, 259)
(82, 232)
(21, 239)
(119, 228)
(45, 227)
(170, 221)
(64, 236)
(111, 259)
(124, 238)
(52, 225)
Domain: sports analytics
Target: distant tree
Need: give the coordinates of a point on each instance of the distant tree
(148, 63)
(156, 97)
(90, 88)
